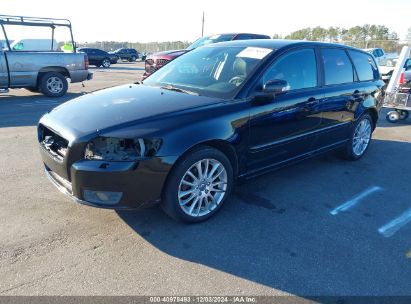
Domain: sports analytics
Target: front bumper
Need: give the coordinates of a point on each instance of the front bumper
(140, 183)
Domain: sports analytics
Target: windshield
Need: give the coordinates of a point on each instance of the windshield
(210, 39)
(210, 71)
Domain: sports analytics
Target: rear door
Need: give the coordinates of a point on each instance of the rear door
(342, 95)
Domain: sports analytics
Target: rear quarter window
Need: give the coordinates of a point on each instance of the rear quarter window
(364, 65)
(337, 66)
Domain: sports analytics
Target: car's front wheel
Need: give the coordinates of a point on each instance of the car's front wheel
(360, 138)
(198, 185)
(133, 58)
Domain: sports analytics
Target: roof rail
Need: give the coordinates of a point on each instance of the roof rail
(34, 21)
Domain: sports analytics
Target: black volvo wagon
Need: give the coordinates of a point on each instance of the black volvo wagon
(217, 114)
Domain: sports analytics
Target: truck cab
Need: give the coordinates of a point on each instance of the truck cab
(378, 54)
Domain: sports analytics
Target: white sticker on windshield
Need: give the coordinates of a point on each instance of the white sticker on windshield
(214, 37)
(254, 52)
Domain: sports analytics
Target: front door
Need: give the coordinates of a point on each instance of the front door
(285, 128)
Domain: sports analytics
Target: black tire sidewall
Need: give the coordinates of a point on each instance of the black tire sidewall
(43, 84)
(170, 202)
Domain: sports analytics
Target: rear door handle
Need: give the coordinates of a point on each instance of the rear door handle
(311, 102)
(357, 94)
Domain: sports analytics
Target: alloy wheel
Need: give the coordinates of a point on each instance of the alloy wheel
(362, 137)
(202, 187)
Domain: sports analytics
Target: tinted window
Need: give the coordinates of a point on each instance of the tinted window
(245, 37)
(337, 66)
(365, 66)
(298, 68)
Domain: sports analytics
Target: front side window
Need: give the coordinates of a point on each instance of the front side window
(210, 71)
(298, 68)
(365, 65)
(337, 66)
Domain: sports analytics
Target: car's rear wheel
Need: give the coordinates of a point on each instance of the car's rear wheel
(198, 185)
(106, 63)
(53, 84)
(360, 138)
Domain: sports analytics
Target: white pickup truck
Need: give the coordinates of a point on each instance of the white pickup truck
(47, 72)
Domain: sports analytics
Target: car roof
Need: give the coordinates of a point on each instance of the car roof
(276, 44)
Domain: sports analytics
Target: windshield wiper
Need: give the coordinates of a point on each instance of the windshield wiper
(172, 88)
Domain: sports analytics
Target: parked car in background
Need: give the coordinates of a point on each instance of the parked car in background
(387, 69)
(99, 57)
(220, 113)
(34, 65)
(157, 60)
(126, 54)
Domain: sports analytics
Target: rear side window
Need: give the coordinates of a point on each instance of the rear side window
(365, 66)
(337, 66)
(298, 68)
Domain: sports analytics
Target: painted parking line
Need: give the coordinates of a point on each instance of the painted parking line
(396, 224)
(355, 200)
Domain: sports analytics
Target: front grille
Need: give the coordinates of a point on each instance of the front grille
(161, 62)
(54, 144)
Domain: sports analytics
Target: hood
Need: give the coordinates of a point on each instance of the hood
(108, 108)
(172, 53)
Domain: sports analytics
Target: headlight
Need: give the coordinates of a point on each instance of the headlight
(120, 149)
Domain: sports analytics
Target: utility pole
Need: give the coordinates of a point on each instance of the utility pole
(202, 27)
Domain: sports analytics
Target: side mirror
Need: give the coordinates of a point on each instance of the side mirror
(270, 89)
(276, 86)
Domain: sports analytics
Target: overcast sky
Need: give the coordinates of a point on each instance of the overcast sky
(160, 20)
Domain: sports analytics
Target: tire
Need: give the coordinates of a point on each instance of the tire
(392, 116)
(133, 59)
(106, 63)
(404, 114)
(53, 84)
(360, 138)
(180, 185)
